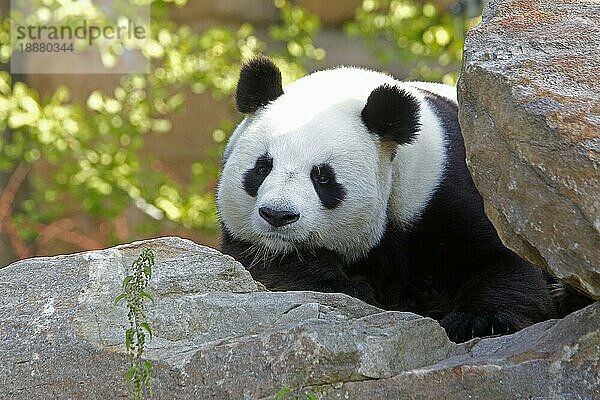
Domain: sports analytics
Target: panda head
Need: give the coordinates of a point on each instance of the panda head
(311, 166)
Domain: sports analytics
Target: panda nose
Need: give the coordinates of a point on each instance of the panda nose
(278, 217)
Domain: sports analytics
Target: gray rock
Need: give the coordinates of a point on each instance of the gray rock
(550, 360)
(220, 335)
(530, 113)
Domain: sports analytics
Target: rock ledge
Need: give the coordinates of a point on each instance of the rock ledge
(219, 335)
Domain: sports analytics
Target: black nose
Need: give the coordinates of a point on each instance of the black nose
(278, 217)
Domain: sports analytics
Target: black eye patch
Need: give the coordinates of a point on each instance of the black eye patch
(330, 192)
(255, 176)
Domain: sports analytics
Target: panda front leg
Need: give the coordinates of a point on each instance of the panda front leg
(506, 296)
(316, 272)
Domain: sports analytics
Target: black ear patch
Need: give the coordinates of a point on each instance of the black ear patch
(259, 84)
(392, 113)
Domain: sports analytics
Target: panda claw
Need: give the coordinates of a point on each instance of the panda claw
(461, 326)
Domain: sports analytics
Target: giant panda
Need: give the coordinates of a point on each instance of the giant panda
(351, 181)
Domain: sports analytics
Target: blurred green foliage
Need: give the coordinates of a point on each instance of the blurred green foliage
(95, 149)
(416, 33)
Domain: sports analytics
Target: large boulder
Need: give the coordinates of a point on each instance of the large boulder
(530, 113)
(219, 335)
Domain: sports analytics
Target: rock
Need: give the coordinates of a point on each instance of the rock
(217, 333)
(220, 335)
(530, 112)
(550, 360)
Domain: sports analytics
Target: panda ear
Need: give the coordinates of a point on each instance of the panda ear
(259, 84)
(393, 114)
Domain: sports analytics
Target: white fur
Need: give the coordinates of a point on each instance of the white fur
(317, 120)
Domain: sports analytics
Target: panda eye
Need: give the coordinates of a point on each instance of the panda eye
(322, 179)
(321, 175)
(264, 165)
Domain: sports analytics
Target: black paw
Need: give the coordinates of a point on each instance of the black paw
(461, 326)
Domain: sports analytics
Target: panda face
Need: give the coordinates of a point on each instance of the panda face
(312, 180)
(313, 167)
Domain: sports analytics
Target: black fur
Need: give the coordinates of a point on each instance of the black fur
(259, 84)
(450, 266)
(319, 270)
(392, 113)
(255, 176)
(476, 286)
(330, 192)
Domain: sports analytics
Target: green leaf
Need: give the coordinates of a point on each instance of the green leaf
(147, 328)
(311, 396)
(120, 297)
(148, 271)
(127, 279)
(130, 375)
(283, 393)
(146, 296)
(148, 367)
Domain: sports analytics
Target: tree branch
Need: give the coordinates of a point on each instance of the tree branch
(7, 197)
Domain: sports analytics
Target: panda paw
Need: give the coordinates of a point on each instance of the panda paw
(463, 325)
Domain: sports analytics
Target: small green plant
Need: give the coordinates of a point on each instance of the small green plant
(286, 392)
(134, 292)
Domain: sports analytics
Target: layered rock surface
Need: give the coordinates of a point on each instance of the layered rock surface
(219, 335)
(530, 113)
